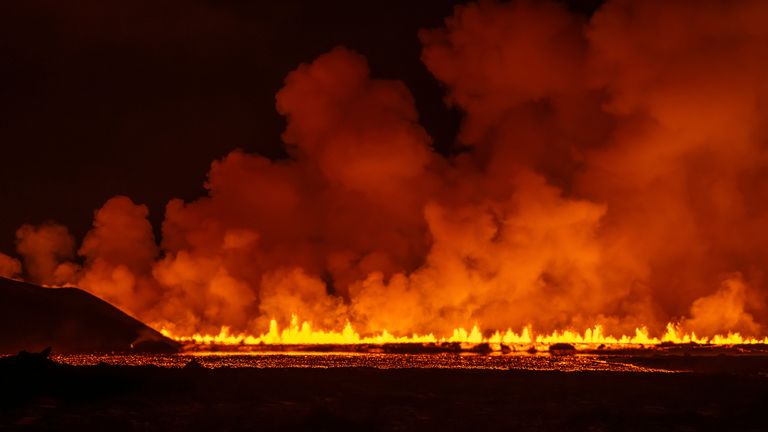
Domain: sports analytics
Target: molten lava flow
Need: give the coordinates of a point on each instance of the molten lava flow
(303, 334)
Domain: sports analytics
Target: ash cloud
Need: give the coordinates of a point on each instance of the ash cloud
(45, 251)
(9, 267)
(616, 174)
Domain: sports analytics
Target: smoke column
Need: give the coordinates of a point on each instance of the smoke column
(616, 174)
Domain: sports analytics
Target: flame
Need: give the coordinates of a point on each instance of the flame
(302, 333)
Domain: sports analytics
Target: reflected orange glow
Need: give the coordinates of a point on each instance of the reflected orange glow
(302, 333)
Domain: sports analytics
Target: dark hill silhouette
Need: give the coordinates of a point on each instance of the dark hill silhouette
(69, 320)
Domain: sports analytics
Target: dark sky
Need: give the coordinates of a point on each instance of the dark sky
(137, 97)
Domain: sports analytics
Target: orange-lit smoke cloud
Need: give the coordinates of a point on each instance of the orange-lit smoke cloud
(9, 267)
(616, 175)
(119, 254)
(44, 250)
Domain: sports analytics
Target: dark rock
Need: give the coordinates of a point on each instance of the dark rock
(418, 348)
(193, 365)
(157, 346)
(451, 346)
(482, 348)
(561, 348)
(28, 360)
(69, 320)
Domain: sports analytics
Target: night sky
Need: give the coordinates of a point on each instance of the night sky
(100, 98)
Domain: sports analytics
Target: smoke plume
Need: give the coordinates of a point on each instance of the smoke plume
(615, 173)
(45, 250)
(9, 266)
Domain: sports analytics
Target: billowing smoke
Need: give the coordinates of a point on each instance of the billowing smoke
(9, 266)
(615, 174)
(119, 254)
(45, 250)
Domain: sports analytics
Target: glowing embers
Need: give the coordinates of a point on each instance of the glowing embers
(302, 333)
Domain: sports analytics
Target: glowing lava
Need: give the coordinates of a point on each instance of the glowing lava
(302, 333)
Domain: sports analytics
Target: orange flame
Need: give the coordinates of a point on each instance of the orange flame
(304, 334)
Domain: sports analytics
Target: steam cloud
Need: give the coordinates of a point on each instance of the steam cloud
(616, 175)
(9, 266)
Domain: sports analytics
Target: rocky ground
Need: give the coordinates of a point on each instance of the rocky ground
(38, 394)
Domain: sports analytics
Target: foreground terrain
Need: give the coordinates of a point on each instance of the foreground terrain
(44, 395)
(69, 320)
